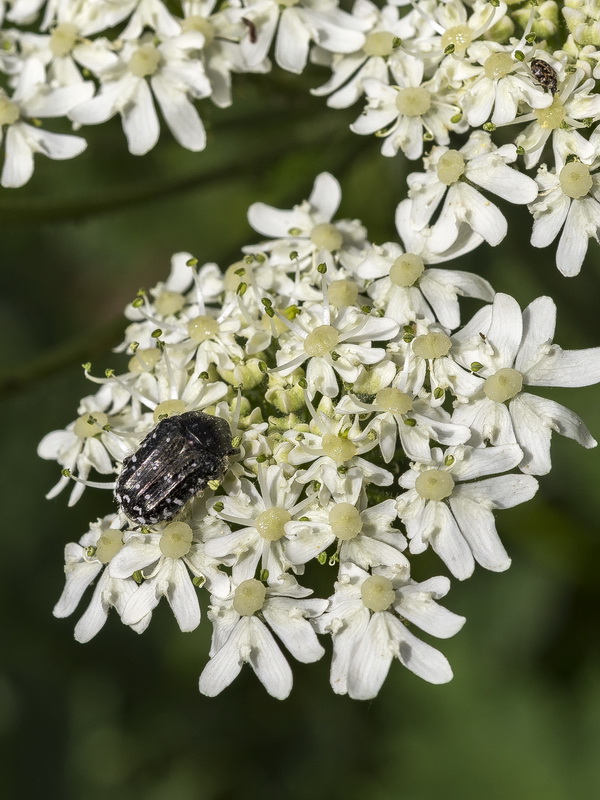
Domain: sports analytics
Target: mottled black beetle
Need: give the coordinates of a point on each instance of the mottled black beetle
(544, 74)
(173, 463)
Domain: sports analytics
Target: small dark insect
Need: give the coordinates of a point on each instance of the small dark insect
(251, 29)
(544, 74)
(173, 463)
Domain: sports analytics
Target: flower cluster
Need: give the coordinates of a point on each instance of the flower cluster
(367, 425)
(431, 73)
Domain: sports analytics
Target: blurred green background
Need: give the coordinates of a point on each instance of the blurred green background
(121, 717)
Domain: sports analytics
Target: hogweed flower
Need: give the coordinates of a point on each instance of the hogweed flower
(352, 441)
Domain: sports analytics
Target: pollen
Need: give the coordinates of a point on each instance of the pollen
(109, 544)
(176, 540)
(377, 593)
(503, 385)
(202, 328)
(432, 345)
(145, 61)
(345, 521)
(89, 425)
(575, 180)
(338, 448)
(326, 236)
(270, 524)
(434, 484)
(379, 43)
(450, 167)
(321, 341)
(413, 101)
(406, 270)
(393, 401)
(249, 597)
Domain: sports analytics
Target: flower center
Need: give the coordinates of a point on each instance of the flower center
(406, 270)
(338, 448)
(377, 593)
(345, 521)
(326, 236)
(498, 66)
(575, 179)
(202, 328)
(271, 523)
(89, 425)
(63, 39)
(144, 61)
(434, 484)
(342, 293)
(168, 408)
(460, 36)
(432, 345)
(144, 360)
(109, 544)
(9, 111)
(552, 117)
(413, 101)
(393, 401)
(379, 43)
(249, 597)
(450, 167)
(321, 341)
(503, 385)
(176, 540)
(169, 303)
(200, 24)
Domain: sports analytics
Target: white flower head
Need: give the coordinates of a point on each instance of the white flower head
(242, 624)
(365, 619)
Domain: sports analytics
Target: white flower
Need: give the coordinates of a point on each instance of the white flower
(241, 637)
(335, 448)
(365, 537)
(86, 444)
(501, 86)
(263, 514)
(576, 102)
(371, 61)
(332, 341)
(168, 70)
(402, 113)
(462, 530)
(406, 290)
(293, 27)
(164, 561)
(411, 419)
(453, 175)
(511, 351)
(569, 199)
(307, 230)
(364, 619)
(32, 99)
(83, 563)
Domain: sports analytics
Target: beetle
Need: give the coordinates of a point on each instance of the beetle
(173, 463)
(544, 74)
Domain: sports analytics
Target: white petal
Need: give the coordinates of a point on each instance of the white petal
(293, 38)
(18, 158)
(140, 122)
(180, 115)
(503, 491)
(371, 659)
(539, 323)
(325, 197)
(295, 632)
(226, 664)
(477, 525)
(268, 662)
